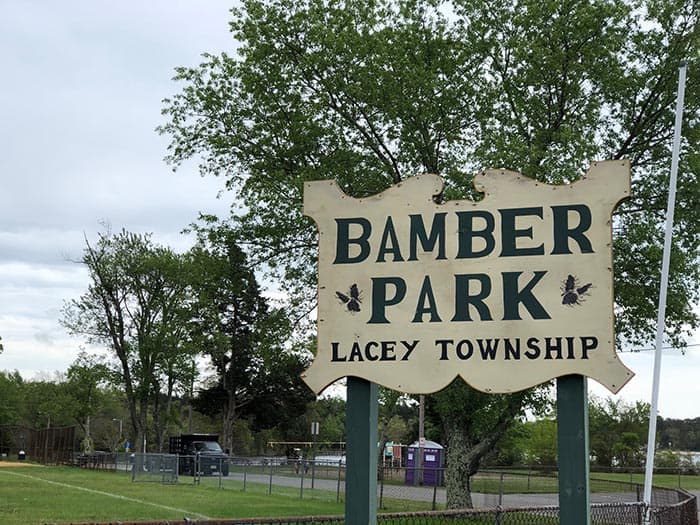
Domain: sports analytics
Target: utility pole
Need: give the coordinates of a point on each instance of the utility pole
(665, 270)
(315, 427)
(421, 437)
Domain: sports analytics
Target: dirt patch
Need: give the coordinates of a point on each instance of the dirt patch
(6, 464)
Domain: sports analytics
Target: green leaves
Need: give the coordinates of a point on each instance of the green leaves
(368, 93)
(618, 431)
(135, 305)
(257, 371)
(546, 63)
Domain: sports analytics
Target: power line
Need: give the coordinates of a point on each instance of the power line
(637, 350)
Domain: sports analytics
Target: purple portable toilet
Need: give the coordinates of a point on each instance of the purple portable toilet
(433, 461)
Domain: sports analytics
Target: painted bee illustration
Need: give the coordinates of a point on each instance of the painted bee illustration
(572, 292)
(354, 299)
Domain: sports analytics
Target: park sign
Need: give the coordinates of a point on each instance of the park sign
(507, 292)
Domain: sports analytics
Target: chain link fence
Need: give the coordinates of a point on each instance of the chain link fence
(49, 446)
(601, 514)
(408, 496)
(161, 468)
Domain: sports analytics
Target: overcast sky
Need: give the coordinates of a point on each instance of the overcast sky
(80, 96)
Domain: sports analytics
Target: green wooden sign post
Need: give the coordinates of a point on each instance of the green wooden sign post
(572, 430)
(361, 452)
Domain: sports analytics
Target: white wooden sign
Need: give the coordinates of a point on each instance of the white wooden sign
(506, 292)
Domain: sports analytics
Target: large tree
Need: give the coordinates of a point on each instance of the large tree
(371, 92)
(256, 369)
(134, 306)
(618, 431)
(472, 424)
(679, 434)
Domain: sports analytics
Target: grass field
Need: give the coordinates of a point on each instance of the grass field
(40, 495)
(30, 496)
(660, 480)
(542, 483)
(54, 495)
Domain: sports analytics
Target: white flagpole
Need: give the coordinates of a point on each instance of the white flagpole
(660, 322)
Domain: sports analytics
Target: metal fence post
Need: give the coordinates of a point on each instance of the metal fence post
(301, 485)
(640, 513)
(500, 490)
(197, 469)
(381, 487)
(245, 475)
(270, 489)
(337, 496)
(313, 473)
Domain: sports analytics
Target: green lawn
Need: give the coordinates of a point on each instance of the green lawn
(40, 495)
(660, 480)
(517, 481)
(388, 504)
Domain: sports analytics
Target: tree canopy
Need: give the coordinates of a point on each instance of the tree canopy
(369, 93)
(257, 371)
(157, 312)
(134, 306)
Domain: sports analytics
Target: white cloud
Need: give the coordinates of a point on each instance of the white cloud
(80, 99)
(679, 388)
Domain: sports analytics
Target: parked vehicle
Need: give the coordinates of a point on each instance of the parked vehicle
(199, 454)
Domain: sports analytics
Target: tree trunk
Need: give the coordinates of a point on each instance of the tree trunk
(142, 427)
(133, 417)
(87, 441)
(157, 419)
(228, 422)
(457, 481)
(167, 409)
(161, 412)
(464, 453)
